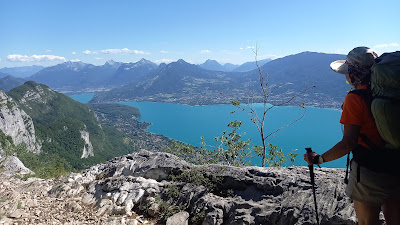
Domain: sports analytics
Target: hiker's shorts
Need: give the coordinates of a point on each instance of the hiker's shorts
(374, 188)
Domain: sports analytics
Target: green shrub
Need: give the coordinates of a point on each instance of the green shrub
(194, 176)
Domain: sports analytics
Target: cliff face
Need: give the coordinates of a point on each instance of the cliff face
(15, 123)
(58, 126)
(88, 147)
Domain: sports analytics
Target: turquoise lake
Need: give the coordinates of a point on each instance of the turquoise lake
(319, 128)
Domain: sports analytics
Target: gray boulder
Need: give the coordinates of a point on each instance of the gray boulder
(12, 165)
(180, 218)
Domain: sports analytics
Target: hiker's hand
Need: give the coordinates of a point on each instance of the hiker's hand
(309, 157)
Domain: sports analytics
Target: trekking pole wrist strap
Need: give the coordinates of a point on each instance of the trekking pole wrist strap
(318, 160)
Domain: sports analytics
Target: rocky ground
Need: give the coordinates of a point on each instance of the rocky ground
(29, 202)
(153, 187)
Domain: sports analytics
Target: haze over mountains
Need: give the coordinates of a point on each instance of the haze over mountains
(79, 76)
(181, 82)
(9, 82)
(24, 71)
(207, 83)
(228, 67)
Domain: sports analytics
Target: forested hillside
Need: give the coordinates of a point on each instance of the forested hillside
(68, 131)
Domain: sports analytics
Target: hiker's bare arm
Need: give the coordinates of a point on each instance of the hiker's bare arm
(348, 142)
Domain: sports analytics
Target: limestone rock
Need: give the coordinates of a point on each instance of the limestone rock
(154, 209)
(16, 214)
(74, 206)
(238, 195)
(261, 195)
(88, 147)
(12, 165)
(180, 218)
(256, 195)
(15, 123)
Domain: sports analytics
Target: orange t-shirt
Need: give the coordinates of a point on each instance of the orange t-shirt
(356, 112)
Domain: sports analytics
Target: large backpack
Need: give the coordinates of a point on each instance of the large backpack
(384, 99)
(385, 107)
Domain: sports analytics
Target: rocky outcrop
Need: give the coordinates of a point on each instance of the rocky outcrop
(15, 123)
(211, 194)
(39, 95)
(88, 147)
(29, 202)
(12, 165)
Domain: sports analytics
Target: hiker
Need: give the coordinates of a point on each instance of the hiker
(374, 181)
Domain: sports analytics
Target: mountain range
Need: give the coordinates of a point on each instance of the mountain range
(228, 67)
(207, 83)
(185, 83)
(24, 71)
(82, 77)
(9, 82)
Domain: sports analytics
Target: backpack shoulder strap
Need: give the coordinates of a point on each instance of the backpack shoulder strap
(365, 94)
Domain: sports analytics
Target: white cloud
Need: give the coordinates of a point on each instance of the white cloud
(123, 50)
(115, 51)
(140, 52)
(247, 47)
(163, 52)
(98, 58)
(88, 52)
(35, 58)
(73, 53)
(261, 57)
(386, 45)
(164, 61)
(76, 60)
(205, 51)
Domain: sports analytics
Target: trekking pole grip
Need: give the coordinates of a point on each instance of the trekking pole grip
(309, 150)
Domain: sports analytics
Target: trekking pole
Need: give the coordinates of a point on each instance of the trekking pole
(312, 175)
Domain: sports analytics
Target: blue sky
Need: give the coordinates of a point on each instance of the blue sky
(47, 32)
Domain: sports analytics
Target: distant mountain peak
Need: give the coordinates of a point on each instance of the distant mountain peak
(181, 61)
(113, 64)
(211, 64)
(110, 62)
(162, 65)
(143, 60)
(211, 60)
(73, 65)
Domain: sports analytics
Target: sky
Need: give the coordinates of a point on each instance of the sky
(49, 32)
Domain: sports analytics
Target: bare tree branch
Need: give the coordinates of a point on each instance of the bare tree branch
(251, 111)
(287, 125)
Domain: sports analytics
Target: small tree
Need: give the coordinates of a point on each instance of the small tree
(231, 149)
(259, 121)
